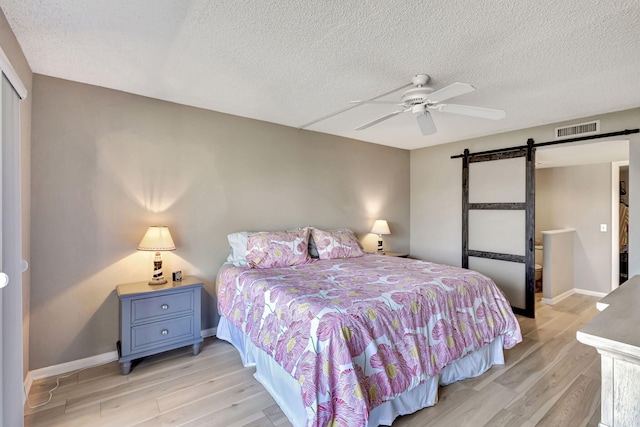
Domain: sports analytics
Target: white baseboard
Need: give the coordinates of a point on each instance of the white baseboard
(88, 362)
(590, 293)
(211, 332)
(28, 381)
(557, 299)
(74, 365)
(63, 368)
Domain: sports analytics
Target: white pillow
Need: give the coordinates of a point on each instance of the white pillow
(238, 248)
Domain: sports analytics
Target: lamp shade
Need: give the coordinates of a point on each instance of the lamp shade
(157, 238)
(380, 227)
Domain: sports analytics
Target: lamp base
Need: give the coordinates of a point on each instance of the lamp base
(158, 278)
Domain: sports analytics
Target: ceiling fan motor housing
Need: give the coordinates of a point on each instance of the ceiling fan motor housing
(417, 95)
(420, 79)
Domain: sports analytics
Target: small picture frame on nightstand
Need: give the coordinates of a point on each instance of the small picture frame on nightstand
(177, 276)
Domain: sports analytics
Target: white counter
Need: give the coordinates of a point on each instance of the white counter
(615, 333)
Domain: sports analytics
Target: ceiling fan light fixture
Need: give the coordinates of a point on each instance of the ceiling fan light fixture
(419, 109)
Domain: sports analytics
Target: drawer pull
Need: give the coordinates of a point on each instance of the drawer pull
(165, 332)
(165, 306)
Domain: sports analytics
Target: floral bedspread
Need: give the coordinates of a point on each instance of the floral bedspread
(357, 332)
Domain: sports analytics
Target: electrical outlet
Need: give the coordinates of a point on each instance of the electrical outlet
(603, 228)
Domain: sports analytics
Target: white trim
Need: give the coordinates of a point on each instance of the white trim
(555, 300)
(74, 365)
(615, 222)
(28, 382)
(88, 362)
(591, 293)
(211, 332)
(10, 72)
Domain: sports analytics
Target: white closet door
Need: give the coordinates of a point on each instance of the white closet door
(11, 393)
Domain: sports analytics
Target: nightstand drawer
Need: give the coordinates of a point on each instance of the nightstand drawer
(165, 305)
(161, 333)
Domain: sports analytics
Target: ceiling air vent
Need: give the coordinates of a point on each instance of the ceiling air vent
(581, 129)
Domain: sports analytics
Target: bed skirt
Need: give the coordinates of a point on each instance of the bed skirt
(285, 390)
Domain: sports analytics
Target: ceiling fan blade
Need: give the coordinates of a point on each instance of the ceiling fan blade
(379, 119)
(425, 121)
(359, 102)
(451, 91)
(468, 110)
(354, 105)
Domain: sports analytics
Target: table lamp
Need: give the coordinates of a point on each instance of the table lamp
(157, 238)
(380, 227)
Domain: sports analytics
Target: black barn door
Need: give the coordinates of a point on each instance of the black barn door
(498, 207)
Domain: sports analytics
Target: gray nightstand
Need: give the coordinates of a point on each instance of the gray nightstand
(157, 318)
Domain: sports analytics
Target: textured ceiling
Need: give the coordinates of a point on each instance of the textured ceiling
(291, 62)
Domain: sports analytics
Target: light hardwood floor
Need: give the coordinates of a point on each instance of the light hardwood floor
(549, 379)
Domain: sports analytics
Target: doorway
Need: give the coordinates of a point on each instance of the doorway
(620, 221)
(577, 186)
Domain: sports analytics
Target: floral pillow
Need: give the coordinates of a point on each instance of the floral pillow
(278, 248)
(337, 244)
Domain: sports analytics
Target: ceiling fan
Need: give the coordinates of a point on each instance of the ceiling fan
(420, 99)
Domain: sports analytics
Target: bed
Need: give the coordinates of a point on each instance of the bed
(357, 339)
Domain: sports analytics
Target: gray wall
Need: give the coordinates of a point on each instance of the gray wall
(579, 197)
(13, 51)
(106, 164)
(436, 183)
